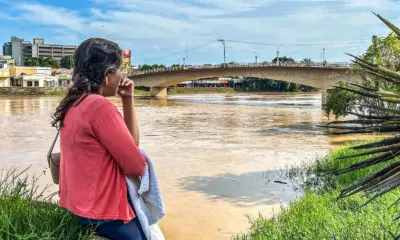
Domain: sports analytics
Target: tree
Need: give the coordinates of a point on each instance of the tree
(284, 59)
(381, 116)
(294, 87)
(50, 62)
(306, 61)
(384, 51)
(41, 62)
(66, 62)
(32, 62)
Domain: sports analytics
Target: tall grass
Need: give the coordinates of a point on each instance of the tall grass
(319, 215)
(25, 213)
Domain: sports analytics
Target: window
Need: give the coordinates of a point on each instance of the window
(29, 84)
(36, 83)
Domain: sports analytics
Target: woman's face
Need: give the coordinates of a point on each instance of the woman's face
(111, 83)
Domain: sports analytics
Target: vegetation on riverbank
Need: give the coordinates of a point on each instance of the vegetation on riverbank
(174, 90)
(319, 215)
(267, 85)
(368, 173)
(26, 214)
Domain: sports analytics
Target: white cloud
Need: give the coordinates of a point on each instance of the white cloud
(49, 15)
(156, 47)
(158, 27)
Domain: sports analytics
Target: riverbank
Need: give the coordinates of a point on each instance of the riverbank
(174, 91)
(26, 214)
(319, 215)
(47, 91)
(145, 92)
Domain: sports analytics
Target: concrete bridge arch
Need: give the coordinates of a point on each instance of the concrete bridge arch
(319, 77)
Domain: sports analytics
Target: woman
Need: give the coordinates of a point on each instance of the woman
(98, 146)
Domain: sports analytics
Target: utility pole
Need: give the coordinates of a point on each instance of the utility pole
(256, 56)
(277, 55)
(223, 43)
(184, 63)
(323, 55)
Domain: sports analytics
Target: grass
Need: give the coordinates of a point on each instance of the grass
(140, 92)
(319, 215)
(26, 214)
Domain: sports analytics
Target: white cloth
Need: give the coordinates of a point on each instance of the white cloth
(146, 198)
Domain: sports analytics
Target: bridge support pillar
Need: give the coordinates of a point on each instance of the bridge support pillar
(324, 93)
(158, 92)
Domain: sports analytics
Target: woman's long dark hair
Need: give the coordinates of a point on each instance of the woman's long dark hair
(93, 60)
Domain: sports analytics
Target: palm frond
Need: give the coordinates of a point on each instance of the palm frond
(378, 117)
(389, 24)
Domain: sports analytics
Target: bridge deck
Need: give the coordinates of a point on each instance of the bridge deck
(247, 65)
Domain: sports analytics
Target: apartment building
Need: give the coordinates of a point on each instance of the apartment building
(20, 50)
(40, 49)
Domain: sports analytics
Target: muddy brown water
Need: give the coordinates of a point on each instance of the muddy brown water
(216, 156)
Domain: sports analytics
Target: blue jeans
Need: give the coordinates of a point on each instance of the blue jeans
(116, 229)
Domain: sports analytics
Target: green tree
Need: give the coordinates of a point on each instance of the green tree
(50, 62)
(385, 52)
(41, 62)
(294, 87)
(66, 62)
(145, 67)
(284, 59)
(32, 62)
(306, 61)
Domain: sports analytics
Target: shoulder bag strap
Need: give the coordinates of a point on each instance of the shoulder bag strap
(52, 145)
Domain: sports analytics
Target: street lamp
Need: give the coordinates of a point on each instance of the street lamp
(255, 56)
(184, 63)
(223, 43)
(277, 54)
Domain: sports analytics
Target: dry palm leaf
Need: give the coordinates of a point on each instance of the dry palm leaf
(379, 119)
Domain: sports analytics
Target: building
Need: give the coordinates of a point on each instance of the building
(44, 70)
(18, 49)
(6, 61)
(206, 83)
(21, 50)
(38, 80)
(40, 49)
(7, 49)
(5, 77)
(17, 71)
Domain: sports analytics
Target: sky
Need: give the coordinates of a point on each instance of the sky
(166, 31)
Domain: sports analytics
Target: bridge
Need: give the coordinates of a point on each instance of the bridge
(318, 75)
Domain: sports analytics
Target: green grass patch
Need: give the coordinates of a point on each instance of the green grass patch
(141, 92)
(26, 214)
(319, 215)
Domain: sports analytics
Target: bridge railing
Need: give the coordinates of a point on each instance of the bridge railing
(238, 65)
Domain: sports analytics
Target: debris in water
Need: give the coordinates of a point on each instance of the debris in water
(280, 182)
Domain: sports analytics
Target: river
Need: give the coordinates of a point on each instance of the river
(216, 156)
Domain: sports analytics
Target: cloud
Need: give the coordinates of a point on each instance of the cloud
(49, 15)
(156, 47)
(154, 28)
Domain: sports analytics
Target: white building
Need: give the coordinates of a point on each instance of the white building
(39, 80)
(44, 70)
